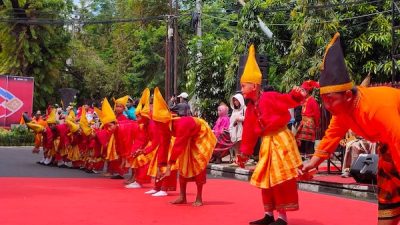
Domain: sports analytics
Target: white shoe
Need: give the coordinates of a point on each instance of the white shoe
(160, 194)
(47, 161)
(152, 191)
(133, 185)
(60, 163)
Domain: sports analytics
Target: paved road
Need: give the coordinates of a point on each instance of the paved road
(20, 162)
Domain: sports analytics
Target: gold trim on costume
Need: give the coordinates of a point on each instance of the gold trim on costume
(337, 35)
(388, 213)
(288, 206)
(321, 153)
(336, 88)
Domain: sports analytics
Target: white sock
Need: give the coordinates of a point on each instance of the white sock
(269, 213)
(282, 215)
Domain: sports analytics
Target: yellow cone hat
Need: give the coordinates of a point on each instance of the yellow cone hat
(106, 115)
(161, 112)
(121, 101)
(71, 115)
(35, 127)
(143, 108)
(252, 73)
(84, 123)
(51, 118)
(73, 127)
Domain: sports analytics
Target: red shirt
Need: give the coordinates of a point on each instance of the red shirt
(270, 114)
(310, 108)
(183, 129)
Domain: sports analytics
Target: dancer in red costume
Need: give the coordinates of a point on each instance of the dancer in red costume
(138, 161)
(161, 140)
(267, 117)
(105, 135)
(190, 154)
(123, 140)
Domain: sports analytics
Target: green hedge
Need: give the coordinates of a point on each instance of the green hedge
(17, 136)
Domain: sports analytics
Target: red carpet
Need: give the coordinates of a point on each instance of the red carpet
(335, 178)
(56, 201)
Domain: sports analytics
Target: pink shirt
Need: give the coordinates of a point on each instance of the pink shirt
(221, 125)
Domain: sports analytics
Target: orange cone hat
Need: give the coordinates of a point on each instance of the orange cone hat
(143, 108)
(121, 101)
(35, 127)
(73, 127)
(252, 73)
(51, 118)
(161, 112)
(106, 114)
(84, 123)
(71, 115)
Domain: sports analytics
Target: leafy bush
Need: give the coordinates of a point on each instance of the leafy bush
(17, 136)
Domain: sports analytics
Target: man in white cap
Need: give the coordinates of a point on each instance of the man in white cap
(182, 108)
(183, 95)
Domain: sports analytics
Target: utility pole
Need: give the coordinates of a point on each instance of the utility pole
(198, 29)
(168, 58)
(169, 55)
(171, 51)
(176, 39)
(198, 12)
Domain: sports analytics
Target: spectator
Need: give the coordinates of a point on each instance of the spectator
(355, 145)
(182, 108)
(310, 121)
(236, 122)
(172, 101)
(130, 109)
(220, 130)
(222, 123)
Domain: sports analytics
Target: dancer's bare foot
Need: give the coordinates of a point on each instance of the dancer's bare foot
(179, 200)
(198, 203)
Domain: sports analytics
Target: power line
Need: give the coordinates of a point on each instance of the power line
(316, 22)
(343, 4)
(42, 21)
(343, 19)
(219, 18)
(292, 6)
(51, 21)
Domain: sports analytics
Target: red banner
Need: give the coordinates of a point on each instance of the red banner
(16, 97)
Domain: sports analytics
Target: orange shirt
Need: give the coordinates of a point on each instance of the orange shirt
(376, 117)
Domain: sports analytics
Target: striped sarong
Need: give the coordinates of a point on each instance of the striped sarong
(279, 159)
(193, 161)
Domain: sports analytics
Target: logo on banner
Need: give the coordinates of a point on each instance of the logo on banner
(9, 102)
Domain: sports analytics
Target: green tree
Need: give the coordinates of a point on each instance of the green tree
(209, 56)
(31, 46)
(206, 74)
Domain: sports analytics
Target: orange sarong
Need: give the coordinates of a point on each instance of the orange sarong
(279, 159)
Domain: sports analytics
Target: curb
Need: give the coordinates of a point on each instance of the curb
(356, 191)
